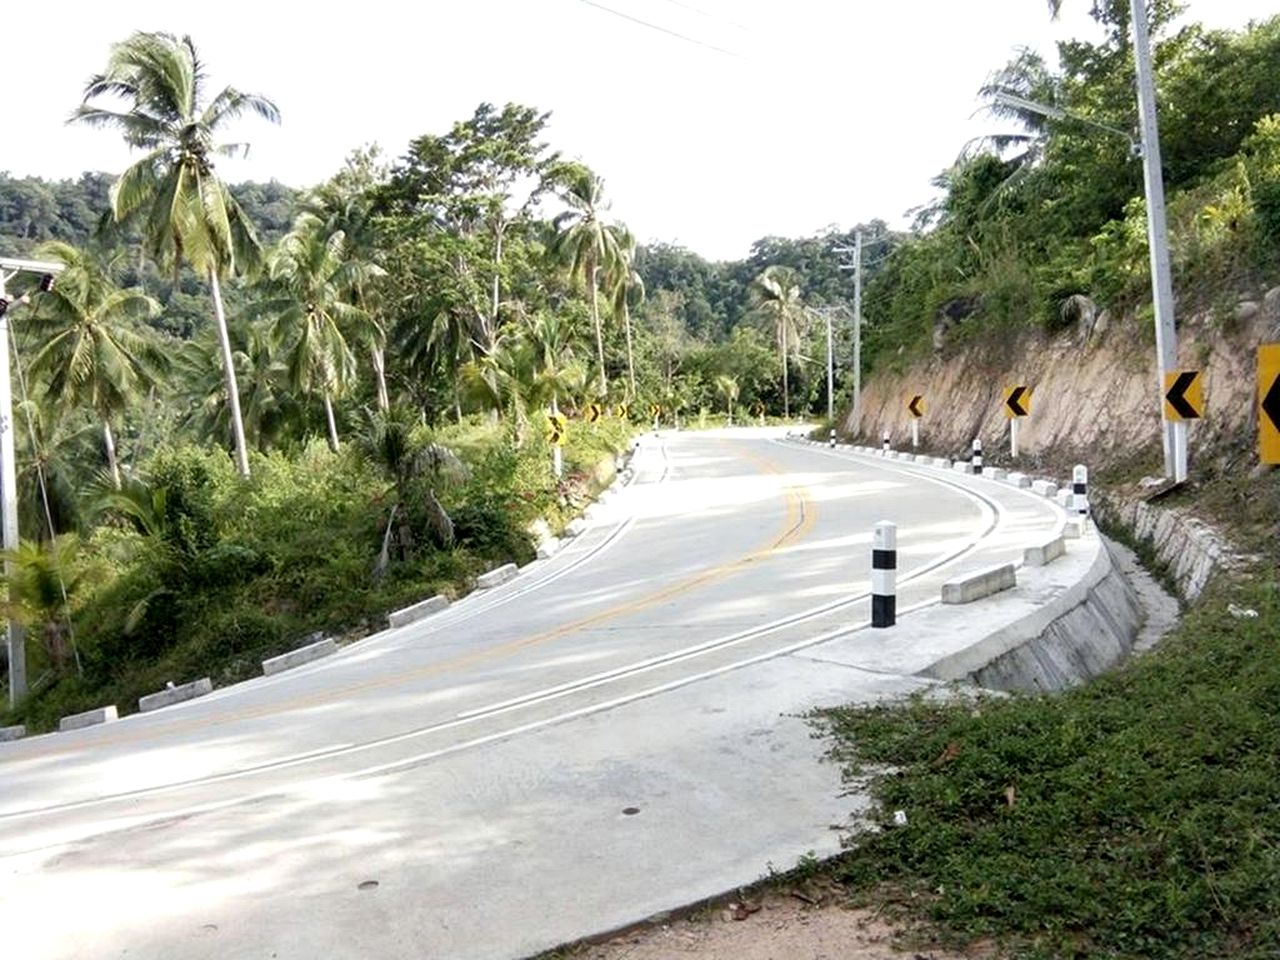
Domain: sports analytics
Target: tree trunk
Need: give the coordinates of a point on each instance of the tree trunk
(229, 374)
(595, 318)
(333, 425)
(786, 396)
(497, 264)
(379, 357)
(631, 365)
(113, 464)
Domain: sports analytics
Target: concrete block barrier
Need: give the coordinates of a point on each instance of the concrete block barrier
(90, 718)
(1045, 553)
(548, 548)
(12, 733)
(995, 473)
(982, 583)
(962, 466)
(575, 527)
(172, 695)
(1065, 499)
(1074, 529)
(296, 658)
(496, 577)
(1046, 488)
(417, 611)
(1019, 480)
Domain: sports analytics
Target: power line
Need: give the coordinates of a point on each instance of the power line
(654, 26)
(710, 16)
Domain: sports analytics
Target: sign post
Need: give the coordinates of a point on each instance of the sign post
(1183, 401)
(915, 406)
(1017, 404)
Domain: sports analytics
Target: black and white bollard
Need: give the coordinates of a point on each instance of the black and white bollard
(1080, 491)
(977, 455)
(884, 574)
(831, 438)
(885, 445)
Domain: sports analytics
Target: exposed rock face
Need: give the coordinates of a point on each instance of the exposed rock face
(951, 314)
(1080, 312)
(1092, 404)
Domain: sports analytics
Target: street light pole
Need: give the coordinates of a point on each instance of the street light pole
(16, 638)
(1174, 434)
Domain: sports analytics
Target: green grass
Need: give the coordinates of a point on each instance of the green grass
(1145, 813)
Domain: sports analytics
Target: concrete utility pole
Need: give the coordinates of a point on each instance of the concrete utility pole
(856, 267)
(1174, 434)
(16, 640)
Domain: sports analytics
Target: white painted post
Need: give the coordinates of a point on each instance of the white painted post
(885, 445)
(1013, 438)
(557, 460)
(977, 455)
(915, 432)
(831, 438)
(884, 574)
(1080, 491)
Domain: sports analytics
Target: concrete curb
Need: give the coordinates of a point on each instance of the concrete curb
(979, 584)
(296, 658)
(90, 718)
(179, 694)
(496, 577)
(12, 733)
(963, 664)
(417, 611)
(1046, 488)
(1042, 554)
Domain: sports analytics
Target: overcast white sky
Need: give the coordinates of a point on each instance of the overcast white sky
(819, 112)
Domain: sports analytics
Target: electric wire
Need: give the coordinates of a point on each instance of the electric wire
(659, 29)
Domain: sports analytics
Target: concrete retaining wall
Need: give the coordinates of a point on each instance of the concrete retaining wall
(1188, 547)
(1072, 638)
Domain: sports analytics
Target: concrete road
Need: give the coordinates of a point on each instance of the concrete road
(614, 732)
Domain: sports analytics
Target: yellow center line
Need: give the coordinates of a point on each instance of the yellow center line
(798, 521)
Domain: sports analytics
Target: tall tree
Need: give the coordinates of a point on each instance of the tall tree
(92, 354)
(628, 289)
(186, 213)
(588, 244)
(312, 282)
(776, 296)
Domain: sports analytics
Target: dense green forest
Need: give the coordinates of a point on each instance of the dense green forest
(226, 380)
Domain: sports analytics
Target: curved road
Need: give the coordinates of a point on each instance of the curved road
(430, 790)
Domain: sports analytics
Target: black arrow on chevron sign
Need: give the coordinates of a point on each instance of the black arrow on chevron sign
(1177, 395)
(914, 406)
(1014, 402)
(1271, 403)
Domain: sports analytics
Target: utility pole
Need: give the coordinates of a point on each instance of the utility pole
(16, 642)
(856, 267)
(1174, 434)
(831, 375)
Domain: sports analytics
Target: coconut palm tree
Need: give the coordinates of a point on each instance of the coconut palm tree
(313, 283)
(728, 388)
(172, 193)
(628, 291)
(42, 578)
(589, 245)
(91, 353)
(775, 294)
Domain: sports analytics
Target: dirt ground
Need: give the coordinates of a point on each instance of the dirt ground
(777, 926)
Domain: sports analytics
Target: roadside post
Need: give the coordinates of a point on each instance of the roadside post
(1269, 403)
(1183, 401)
(1017, 404)
(831, 438)
(1080, 491)
(977, 455)
(884, 574)
(915, 406)
(885, 444)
